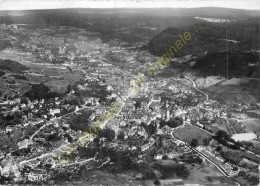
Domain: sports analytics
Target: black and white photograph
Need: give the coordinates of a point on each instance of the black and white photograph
(130, 92)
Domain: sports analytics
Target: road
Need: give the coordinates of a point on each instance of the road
(52, 121)
(216, 165)
(195, 87)
(201, 154)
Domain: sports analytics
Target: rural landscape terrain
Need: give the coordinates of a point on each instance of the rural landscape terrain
(197, 121)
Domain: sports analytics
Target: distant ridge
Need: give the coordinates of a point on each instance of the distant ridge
(203, 11)
(211, 38)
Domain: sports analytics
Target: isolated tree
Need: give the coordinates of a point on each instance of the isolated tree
(222, 135)
(194, 143)
(219, 149)
(156, 182)
(69, 88)
(165, 157)
(206, 141)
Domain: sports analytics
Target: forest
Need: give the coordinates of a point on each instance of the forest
(242, 35)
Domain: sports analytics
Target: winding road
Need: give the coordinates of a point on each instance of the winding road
(195, 87)
(201, 154)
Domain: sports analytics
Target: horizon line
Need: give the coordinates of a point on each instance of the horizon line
(131, 4)
(107, 8)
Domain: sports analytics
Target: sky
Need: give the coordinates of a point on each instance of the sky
(54, 4)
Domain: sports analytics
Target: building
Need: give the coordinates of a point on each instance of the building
(170, 182)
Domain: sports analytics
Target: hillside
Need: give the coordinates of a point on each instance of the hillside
(12, 66)
(108, 23)
(242, 35)
(121, 23)
(240, 64)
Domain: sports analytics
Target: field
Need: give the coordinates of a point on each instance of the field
(55, 77)
(201, 172)
(234, 93)
(236, 156)
(252, 125)
(15, 56)
(189, 132)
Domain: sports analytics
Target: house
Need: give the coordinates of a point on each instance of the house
(158, 157)
(199, 125)
(106, 65)
(146, 146)
(54, 111)
(169, 182)
(8, 129)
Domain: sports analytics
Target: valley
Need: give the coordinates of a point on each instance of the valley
(184, 126)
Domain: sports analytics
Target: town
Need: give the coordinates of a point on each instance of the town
(56, 82)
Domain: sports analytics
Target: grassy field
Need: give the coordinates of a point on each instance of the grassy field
(56, 77)
(252, 125)
(234, 93)
(189, 132)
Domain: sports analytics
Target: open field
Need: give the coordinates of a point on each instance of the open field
(16, 56)
(234, 93)
(199, 172)
(252, 125)
(189, 132)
